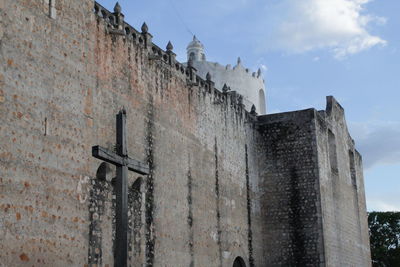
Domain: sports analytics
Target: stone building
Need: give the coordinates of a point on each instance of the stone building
(220, 185)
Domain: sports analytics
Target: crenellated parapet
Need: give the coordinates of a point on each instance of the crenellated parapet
(115, 25)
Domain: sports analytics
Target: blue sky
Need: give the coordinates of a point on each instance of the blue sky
(307, 49)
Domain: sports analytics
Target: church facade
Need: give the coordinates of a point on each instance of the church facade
(209, 181)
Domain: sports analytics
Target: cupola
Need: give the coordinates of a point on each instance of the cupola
(195, 50)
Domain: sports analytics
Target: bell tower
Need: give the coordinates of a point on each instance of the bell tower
(195, 50)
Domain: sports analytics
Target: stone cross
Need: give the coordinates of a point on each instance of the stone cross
(123, 163)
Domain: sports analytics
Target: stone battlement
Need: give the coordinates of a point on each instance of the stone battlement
(115, 25)
(257, 75)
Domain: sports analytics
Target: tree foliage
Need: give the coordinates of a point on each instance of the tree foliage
(384, 231)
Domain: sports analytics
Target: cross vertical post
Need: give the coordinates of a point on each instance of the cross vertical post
(121, 237)
(123, 163)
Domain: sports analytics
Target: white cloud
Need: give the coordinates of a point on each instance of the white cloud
(378, 142)
(260, 64)
(339, 25)
(381, 205)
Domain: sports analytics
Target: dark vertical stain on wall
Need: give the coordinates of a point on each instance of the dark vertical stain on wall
(190, 216)
(295, 223)
(189, 92)
(129, 54)
(249, 233)
(149, 210)
(130, 222)
(113, 213)
(217, 202)
(135, 220)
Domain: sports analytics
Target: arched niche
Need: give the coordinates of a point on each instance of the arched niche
(192, 56)
(135, 221)
(104, 172)
(239, 262)
(100, 227)
(261, 101)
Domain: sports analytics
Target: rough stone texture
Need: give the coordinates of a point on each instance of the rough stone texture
(206, 200)
(342, 191)
(313, 204)
(290, 201)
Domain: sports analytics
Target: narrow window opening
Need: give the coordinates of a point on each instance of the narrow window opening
(45, 126)
(332, 152)
(52, 9)
(353, 174)
(239, 262)
(192, 56)
(261, 102)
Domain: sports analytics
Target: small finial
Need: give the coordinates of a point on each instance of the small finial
(258, 72)
(208, 76)
(117, 8)
(144, 28)
(194, 38)
(169, 46)
(225, 88)
(253, 110)
(239, 61)
(123, 110)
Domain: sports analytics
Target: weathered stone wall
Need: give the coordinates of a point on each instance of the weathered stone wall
(312, 191)
(45, 132)
(342, 190)
(221, 185)
(290, 200)
(63, 80)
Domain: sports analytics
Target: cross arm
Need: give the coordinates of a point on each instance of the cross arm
(107, 155)
(137, 166)
(115, 159)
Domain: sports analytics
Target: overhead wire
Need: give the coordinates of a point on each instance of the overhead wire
(180, 18)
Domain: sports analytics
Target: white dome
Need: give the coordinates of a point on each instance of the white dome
(195, 44)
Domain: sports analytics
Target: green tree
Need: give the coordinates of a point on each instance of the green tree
(384, 232)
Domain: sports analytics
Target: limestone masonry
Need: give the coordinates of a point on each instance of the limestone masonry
(226, 186)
